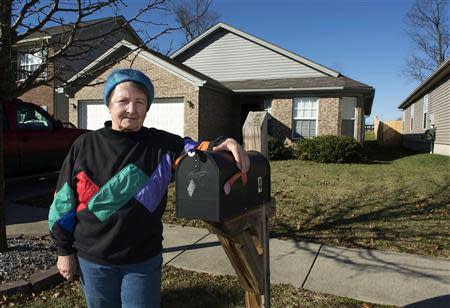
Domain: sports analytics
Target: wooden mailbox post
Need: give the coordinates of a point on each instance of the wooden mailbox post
(245, 238)
(240, 220)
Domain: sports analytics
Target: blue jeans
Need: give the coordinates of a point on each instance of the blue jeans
(128, 286)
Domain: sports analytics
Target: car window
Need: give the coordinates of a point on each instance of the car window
(31, 119)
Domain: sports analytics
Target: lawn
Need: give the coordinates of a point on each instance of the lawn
(397, 201)
(192, 290)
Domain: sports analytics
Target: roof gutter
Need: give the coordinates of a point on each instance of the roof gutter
(427, 84)
(31, 40)
(287, 89)
(339, 88)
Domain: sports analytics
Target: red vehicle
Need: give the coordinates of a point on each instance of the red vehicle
(34, 142)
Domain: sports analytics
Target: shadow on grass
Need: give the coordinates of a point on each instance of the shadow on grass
(378, 154)
(202, 296)
(360, 220)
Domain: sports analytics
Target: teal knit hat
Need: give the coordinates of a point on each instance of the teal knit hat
(123, 75)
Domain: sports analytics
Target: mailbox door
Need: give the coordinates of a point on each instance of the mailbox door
(197, 188)
(245, 197)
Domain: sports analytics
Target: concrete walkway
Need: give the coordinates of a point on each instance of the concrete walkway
(367, 275)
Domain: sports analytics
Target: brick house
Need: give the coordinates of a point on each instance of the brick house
(208, 87)
(186, 103)
(92, 40)
(429, 104)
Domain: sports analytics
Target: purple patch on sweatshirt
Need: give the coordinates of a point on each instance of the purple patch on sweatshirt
(156, 186)
(189, 144)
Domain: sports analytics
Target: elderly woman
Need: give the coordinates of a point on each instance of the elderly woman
(111, 195)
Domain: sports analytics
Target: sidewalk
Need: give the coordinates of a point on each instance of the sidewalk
(367, 275)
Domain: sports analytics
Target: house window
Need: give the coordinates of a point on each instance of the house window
(348, 107)
(411, 117)
(28, 61)
(425, 111)
(304, 117)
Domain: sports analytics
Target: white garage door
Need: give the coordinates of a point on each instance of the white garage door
(93, 115)
(165, 113)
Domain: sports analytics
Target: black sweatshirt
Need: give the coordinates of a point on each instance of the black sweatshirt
(112, 192)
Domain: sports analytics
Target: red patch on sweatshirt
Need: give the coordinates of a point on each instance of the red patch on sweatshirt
(86, 189)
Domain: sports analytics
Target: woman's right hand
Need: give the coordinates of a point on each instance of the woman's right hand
(67, 266)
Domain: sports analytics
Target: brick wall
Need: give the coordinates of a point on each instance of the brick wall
(281, 122)
(329, 118)
(167, 85)
(219, 115)
(42, 95)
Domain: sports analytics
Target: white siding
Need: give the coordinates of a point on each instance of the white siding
(226, 56)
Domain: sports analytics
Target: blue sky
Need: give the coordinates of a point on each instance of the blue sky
(362, 39)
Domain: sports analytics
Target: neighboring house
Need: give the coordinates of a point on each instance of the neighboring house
(208, 87)
(305, 99)
(428, 105)
(92, 40)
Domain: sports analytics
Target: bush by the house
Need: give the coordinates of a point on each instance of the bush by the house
(329, 149)
(277, 149)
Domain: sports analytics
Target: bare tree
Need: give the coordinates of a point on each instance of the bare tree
(428, 28)
(194, 17)
(33, 20)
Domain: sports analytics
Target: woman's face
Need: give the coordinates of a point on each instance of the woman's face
(128, 107)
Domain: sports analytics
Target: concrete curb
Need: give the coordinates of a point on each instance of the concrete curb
(37, 282)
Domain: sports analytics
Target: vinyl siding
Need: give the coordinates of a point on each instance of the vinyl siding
(226, 56)
(417, 118)
(439, 105)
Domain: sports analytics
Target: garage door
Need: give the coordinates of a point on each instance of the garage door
(165, 113)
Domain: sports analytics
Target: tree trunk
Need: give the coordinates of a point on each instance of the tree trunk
(7, 89)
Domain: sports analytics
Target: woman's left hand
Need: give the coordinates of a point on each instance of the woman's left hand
(239, 154)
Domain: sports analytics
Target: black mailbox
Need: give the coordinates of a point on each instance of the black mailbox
(210, 187)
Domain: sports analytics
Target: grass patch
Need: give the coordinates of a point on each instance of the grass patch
(398, 201)
(370, 136)
(181, 288)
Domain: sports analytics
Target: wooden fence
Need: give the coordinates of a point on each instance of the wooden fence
(388, 132)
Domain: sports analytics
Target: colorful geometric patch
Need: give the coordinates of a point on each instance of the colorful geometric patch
(86, 189)
(117, 192)
(62, 205)
(156, 186)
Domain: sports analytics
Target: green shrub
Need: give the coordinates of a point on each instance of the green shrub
(277, 150)
(329, 149)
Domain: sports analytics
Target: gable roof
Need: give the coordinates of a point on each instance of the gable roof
(94, 25)
(163, 61)
(440, 73)
(222, 26)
